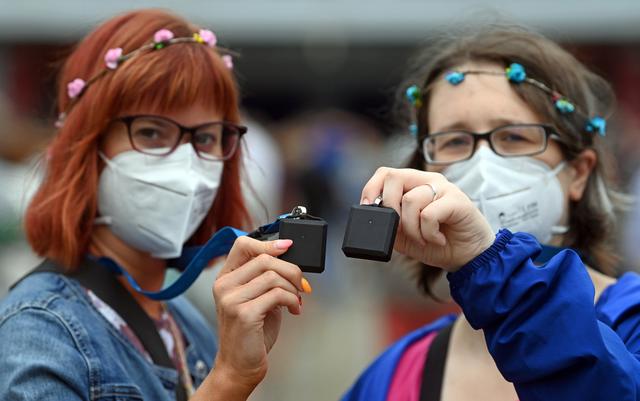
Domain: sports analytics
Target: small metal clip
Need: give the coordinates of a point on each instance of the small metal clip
(299, 211)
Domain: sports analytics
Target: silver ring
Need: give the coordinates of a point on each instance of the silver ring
(378, 200)
(433, 189)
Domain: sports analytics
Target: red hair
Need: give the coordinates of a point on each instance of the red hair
(59, 220)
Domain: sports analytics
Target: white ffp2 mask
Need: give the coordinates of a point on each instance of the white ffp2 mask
(156, 203)
(518, 193)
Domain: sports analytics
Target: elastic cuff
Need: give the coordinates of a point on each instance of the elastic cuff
(458, 278)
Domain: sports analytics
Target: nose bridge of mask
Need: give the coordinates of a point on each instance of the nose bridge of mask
(520, 173)
(477, 176)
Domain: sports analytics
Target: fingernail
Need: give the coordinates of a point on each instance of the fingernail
(306, 287)
(365, 201)
(283, 243)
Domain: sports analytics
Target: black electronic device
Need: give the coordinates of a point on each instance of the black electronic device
(371, 232)
(309, 236)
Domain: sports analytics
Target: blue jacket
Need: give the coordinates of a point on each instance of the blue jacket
(54, 345)
(541, 326)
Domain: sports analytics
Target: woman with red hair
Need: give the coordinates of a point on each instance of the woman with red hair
(146, 160)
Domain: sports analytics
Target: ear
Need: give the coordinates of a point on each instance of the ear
(582, 165)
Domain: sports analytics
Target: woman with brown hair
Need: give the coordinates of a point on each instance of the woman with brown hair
(146, 159)
(508, 193)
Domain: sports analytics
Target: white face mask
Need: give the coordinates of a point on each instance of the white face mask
(518, 193)
(156, 203)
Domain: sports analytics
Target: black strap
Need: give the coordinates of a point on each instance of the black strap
(106, 286)
(434, 364)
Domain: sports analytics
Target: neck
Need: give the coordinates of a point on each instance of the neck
(147, 271)
(600, 281)
(472, 340)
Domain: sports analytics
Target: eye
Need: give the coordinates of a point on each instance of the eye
(145, 137)
(452, 141)
(514, 137)
(205, 139)
(148, 133)
(455, 142)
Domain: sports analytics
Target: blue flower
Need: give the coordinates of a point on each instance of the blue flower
(516, 73)
(454, 77)
(564, 106)
(414, 96)
(598, 124)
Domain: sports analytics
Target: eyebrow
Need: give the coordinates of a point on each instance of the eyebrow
(158, 121)
(493, 123)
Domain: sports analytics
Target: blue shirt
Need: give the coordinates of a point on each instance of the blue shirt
(541, 326)
(54, 345)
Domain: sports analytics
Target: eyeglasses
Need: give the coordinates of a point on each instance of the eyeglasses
(160, 136)
(508, 141)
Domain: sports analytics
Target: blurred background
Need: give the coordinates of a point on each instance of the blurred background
(318, 81)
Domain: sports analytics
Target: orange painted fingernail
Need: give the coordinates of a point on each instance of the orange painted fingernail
(306, 287)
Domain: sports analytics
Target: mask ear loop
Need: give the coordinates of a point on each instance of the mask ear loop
(558, 229)
(103, 220)
(557, 169)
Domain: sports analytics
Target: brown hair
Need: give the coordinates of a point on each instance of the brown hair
(59, 220)
(592, 218)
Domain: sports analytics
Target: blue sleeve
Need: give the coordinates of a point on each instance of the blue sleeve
(39, 360)
(541, 325)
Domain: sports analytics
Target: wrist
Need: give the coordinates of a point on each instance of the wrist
(482, 260)
(229, 385)
(476, 249)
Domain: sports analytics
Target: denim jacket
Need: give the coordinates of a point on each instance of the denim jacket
(54, 345)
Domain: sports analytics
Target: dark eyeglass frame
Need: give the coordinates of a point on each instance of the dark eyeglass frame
(549, 132)
(129, 119)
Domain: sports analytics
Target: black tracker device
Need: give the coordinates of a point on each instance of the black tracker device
(371, 232)
(309, 235)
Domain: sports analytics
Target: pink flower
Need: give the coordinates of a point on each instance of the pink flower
(75, 87)
(208, 37)
(111, 58)
(163, 35)
(228, 61)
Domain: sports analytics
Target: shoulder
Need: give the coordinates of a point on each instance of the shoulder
(45, 291)
(45, 311)
(43, 307)
(375, 381)
(620, 301)
(43, 345)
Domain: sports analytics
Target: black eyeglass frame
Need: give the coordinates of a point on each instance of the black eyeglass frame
(549, 131)
(129, 119)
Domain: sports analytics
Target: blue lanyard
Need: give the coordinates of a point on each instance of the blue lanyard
(193, 260)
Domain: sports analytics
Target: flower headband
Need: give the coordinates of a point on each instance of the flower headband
(113, 58)
(515, 74)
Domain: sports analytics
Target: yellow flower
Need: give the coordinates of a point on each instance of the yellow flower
(198, 38)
